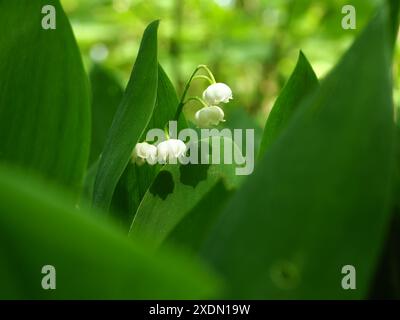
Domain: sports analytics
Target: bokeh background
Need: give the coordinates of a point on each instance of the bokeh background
(250, 44)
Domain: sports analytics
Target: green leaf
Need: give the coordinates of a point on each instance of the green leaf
(131, 119)
(394, 12)
(175, 194)
(301, 84)
(88, 184)
(135, 180)
(106, 96)
(166, 104)
(319, 199)
(92, 259)
(44, 95)
(193, 228)
(386, 284)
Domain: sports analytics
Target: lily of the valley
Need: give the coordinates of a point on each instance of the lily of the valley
(170, 150)
(209, 116)
(217, 93)
(144, 152)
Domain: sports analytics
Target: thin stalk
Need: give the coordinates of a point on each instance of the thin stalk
(203, 66)
(203, 77)
(196, 99)
(187, 86)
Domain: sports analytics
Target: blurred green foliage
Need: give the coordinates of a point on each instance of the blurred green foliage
(250, 44)
(321, 196)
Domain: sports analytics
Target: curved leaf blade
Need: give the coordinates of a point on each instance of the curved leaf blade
(131, 119)
(301, 84)
(135, 180)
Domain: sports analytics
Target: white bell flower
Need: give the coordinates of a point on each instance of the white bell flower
(216, 93)
(209, 116)
(170, 150)
(144, 152)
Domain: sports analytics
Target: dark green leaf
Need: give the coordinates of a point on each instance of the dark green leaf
(195, 226)
(106, 96)
(319, 199)
(394, 12)
(44, 95)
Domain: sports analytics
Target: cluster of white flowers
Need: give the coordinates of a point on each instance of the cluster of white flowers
(166, 151)
(212, 114)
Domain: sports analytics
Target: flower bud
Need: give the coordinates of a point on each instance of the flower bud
(144, 152)
(216, 93)
(170, 150)
(209, 116)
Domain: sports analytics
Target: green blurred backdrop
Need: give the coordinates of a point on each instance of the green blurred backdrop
(250, 44)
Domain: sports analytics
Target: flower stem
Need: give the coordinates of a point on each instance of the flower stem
(204, 77)
(196, 99)
(203, 66)
(166, 131)
(187, 86)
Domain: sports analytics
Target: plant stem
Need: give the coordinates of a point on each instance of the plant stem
(204, 77)
(166, 131)
(187, 86)
(203, 66)
(196, 99)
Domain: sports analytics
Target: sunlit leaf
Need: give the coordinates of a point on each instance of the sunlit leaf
(131, 119)
(135, 180)
(175, 194)
(302, 82)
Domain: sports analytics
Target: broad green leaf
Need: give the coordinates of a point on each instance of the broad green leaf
(92, 259)
(130, 121)
(174, 195)
(106, 96)
(319, 199)
(191, 231)
(135, 180)
(301, 83)
(44, 95)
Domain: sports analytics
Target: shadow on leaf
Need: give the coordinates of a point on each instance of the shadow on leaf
(193, 174)
(163, 185)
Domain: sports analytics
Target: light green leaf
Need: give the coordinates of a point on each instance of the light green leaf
(301, 84)
(319, 199)
(92, 259)
(44, 95)
(174, 195)
(135, 180)
(131, 119)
